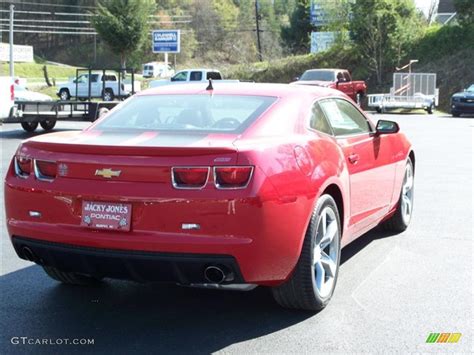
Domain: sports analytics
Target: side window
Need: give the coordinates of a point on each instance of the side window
(181, 76)
(318, 121)
(347, 77)
(344, 118)
(195, 76)
(214, 75)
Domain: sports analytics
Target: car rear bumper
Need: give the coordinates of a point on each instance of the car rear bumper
(262, 236)
(141, 266)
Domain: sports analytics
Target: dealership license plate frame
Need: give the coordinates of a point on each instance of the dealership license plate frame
(120, 215)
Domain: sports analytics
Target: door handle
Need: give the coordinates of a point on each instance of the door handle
(353, 158)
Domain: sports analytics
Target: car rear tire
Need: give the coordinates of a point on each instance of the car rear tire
(401, 219)
(456, 114)
(108, 95)
(70, 278)
(29, 126)
(312, 283)
(64, 94)
(48, 125)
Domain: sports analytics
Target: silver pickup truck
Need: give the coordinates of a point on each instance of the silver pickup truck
(103, 86)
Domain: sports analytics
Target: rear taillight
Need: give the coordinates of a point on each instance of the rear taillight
(45, 170)
(12, 92)
(189, 177)
(232, 177)
(23, 166)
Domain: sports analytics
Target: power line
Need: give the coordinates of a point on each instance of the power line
(57, 5)
(51, 27)
(50, 13)
(51, 32)
(48, 21)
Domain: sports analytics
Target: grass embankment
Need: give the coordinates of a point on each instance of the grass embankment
(286, 69)
(35, 71)
(446, 51)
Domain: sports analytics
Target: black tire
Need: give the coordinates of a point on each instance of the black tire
(64, 95)
(398, 223)
(108, 95)
(430, 109)
(29, 126)
(378, 109)
(300, 290)
(70, 278)
(48, 125)
(456, 114)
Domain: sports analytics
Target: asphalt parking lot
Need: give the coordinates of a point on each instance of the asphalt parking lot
(393, 290)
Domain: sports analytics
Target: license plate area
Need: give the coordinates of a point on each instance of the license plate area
(106, 215)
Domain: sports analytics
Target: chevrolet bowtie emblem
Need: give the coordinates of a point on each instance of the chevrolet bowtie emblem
(107, 173)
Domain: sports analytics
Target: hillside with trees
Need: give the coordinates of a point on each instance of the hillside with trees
(373, 37)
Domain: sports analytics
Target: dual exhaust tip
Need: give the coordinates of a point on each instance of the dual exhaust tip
(217, 274)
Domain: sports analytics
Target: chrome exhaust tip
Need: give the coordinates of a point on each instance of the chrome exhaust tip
(214, 274)
(28, 254)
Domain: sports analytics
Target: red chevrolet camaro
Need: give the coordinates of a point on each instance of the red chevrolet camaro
(229, 186)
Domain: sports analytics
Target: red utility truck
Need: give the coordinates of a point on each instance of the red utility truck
(339, 79)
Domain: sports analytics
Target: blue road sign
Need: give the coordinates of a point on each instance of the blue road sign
(166, 41)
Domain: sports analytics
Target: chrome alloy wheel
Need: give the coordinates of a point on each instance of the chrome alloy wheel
(407, 194)
(326, 252)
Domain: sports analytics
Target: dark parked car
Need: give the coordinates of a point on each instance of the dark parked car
(463, 102)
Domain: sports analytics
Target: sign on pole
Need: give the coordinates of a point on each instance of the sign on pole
(321, 41)
(166, 41)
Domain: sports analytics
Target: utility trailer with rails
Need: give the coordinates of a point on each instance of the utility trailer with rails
(410, 91)
(31, 114)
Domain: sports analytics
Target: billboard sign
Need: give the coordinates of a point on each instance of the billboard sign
(318, 15)
(321, 41)
(166, 41)
(20, 53)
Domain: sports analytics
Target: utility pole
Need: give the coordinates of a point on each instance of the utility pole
(257, 20)
(12, 66)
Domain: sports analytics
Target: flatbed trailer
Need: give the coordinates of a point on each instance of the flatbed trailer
(410, 91)
(30, 114)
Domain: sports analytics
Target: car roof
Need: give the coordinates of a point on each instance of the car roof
(249, 89)
(198, 69)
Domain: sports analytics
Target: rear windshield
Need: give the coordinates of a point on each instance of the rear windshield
(203, 113)
(321, 75)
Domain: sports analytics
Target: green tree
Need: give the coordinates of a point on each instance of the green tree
(297, 36)
(465, 11)
(123, 24)
(382, 30)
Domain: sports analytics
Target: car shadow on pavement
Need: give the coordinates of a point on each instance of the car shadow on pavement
(360, 243)
(127, 317)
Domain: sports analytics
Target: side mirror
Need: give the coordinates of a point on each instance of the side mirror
(387, 127)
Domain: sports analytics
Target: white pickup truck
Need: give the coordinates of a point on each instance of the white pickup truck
(103, 86)
(190, 76)
(7, 96)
